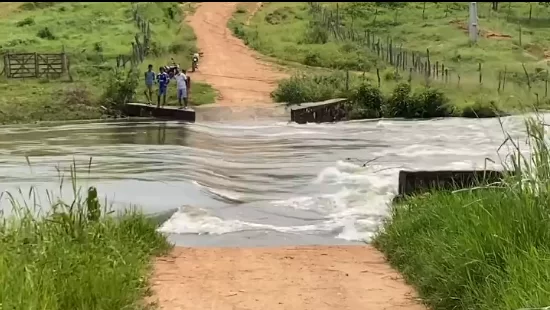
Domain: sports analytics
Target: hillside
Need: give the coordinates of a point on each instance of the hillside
(512, 49)
(93, 35)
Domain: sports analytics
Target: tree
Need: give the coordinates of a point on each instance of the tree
(495, 5)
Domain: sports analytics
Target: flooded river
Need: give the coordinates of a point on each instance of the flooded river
(262, 182)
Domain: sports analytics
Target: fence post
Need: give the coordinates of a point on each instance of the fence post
(7, 64)
(428, 56)
(69, 70)
(499, 81)
(520, 36)
(36, 67)
(526, 76)
(545, 84)
(504, 78)
(63, 59)
(480, 74)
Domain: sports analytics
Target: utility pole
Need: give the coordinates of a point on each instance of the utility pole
(472, 24)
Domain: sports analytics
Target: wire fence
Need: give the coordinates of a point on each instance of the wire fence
(414, 63)
(140, 47)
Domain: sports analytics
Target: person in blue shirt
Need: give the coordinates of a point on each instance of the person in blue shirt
(149, 81)
(163, 79)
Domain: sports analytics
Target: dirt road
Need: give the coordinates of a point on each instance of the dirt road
(294, 278)
(6, 8)
(228, 65)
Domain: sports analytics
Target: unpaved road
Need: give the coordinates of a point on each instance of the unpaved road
(228, 65)
(293, 278)
(6, 8)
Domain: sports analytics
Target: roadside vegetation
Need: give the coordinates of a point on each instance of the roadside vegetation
(481, 248)
(93, 35)
(75, 254)
(368, 100)
(393, 43)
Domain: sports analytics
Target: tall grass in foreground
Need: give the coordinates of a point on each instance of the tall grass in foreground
(75, 256)
(482, 248)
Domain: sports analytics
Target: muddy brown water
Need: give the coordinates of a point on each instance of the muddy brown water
(243, 181)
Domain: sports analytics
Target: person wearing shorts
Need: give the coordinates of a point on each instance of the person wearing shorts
(163, 80)
(149, 81)
(181, 82)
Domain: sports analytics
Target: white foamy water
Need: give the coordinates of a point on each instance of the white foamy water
(246, 183)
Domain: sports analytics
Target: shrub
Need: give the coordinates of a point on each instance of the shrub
(121, 89)
(98, 47)
(46, 33)
(301, 88)
(398, 103)
(392, 75)
(29, 21)
(480, 110)
(279, 15)
(366, 102)
(76, 95)
(240, 10)
(312, 59)
(316, 34)
(238, 31)
(427, 103)
(29, 6)
(430, 102)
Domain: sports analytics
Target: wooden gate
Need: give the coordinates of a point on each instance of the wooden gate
(34, 65)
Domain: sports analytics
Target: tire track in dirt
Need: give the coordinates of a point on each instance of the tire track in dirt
(232, 68)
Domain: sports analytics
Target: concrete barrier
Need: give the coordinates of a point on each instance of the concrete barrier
(332, 110)
(166, 112)
(418, 182)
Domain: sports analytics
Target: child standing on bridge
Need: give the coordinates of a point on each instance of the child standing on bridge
(149, 81)
(163, 80)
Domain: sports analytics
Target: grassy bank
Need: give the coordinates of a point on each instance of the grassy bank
(300, 33)
(75, 256)
(485, 248)
(368, 100)
(93, 35)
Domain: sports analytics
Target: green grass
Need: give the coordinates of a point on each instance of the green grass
(76, 255)
(286, 31)
(93, 35)
(480, 248)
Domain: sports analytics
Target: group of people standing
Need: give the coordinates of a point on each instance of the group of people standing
(163, 79)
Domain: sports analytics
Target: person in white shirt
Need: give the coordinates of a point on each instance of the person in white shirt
(181, 82)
